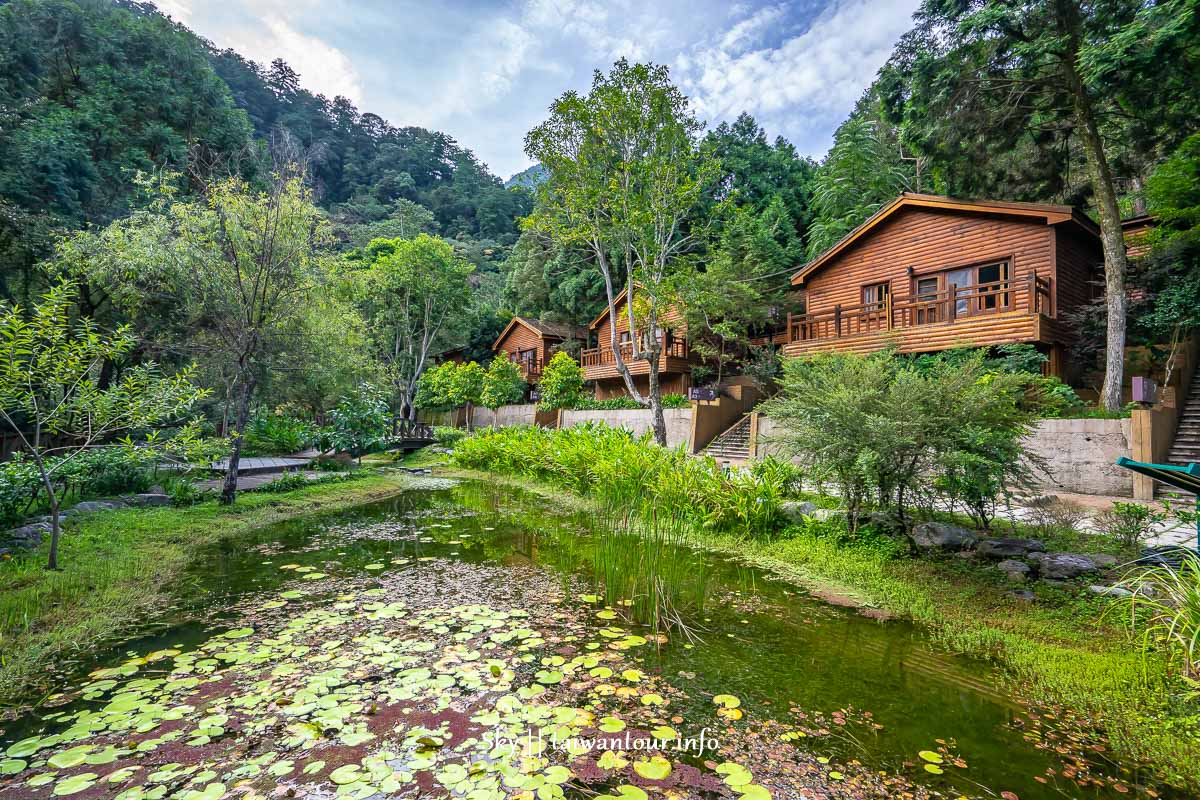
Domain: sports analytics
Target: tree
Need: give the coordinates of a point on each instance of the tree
(502, 384)
(623, 172)
(414, 292)
(236, 271)
(983, 71)
(359, 421)
(452, 385)
(561, 384)
(52, 397)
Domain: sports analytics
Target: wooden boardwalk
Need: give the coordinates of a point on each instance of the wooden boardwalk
(250, 466)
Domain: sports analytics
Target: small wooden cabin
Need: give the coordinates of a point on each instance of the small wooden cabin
(928, 273)
(531, 343)
(599, 362)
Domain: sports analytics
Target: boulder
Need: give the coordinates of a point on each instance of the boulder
(883, 521)
(28, 536)
(1024, 595)
(942, 536)
(1016, 571)
(831, 515)
(148, 500)
(796, 510)
(1110, 591)
(88, 506)
(1062, 566)
(1103, 560)
(1001, 548)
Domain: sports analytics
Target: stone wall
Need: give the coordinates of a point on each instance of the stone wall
(1081, 455)
(505, 416)
(639, 421)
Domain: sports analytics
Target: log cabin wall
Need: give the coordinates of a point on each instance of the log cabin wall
(669, 318)
(928, 241)
(521, 337)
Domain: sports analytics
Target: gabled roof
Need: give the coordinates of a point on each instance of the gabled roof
(604, 314)
(1050, 214)
(545, 330)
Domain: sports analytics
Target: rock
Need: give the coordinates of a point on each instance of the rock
(1103, 560)
(1062, 566)
(1017, 571)
(1110, 591)
(88, 506)
(796, 510)
(47, 519)
(1002, 548)
(148, 500)
(1024, 595)
(831, 515)
(883, 521)
(942, 536)
(28, 536)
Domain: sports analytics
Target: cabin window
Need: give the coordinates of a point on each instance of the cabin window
(875, 295)
(977, 289)
(527, 358)
(927, 292)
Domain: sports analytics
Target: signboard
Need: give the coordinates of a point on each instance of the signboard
(1145, 390)
(702, 393)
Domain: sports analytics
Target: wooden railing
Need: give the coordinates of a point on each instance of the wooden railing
(531, 368)
(410, 430)
(947, 306)
(676, 347)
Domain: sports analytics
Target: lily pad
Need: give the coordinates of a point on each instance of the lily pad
(656, 769)
(931, 757)
(75, 783)
(11, 766)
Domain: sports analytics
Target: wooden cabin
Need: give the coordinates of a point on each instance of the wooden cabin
(599, 362)
(531, 343)
(928, 273)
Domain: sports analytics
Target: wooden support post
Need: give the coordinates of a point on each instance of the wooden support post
(1033, 292)
(837, 319)
(789, 338)
(887, 309)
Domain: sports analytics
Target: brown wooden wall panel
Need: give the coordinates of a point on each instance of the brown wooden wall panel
(670, 318)
(992, 329)
(518, 338)
(929, 241)
(1079, 265)
(670, 384)
(637, 367)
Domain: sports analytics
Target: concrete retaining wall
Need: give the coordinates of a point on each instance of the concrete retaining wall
(638, 421)
(1081, 455)
(506, 416)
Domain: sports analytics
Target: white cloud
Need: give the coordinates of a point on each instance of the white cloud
(804, 80)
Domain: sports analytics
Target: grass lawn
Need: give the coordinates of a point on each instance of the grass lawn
(117, 571)
(1057, 650)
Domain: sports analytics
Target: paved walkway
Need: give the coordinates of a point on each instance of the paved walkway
(252, 481)
(262, 464)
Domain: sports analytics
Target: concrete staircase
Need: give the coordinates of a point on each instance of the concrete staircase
(1186, 449)
(733, 444)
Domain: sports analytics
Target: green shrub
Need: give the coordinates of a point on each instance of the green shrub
(901, 433)
(290, 481)
(627, 403)
(274, 434)
(633, 477)
(1128, 524)
(561, 384)
(359, 422)
(102, 472)
(448, 437)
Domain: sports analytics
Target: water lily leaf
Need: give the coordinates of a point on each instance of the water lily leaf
(11, 766)
(70, 758)
(238, 633)
(652, 699)
(75, 783)
(121, 775)
(374, 566)
(273, 604)
(755, 792)
(662, 732)
(835, 775)
(25, 747)
(931, 757)
(727, 701)
(656, 769)
(626, 792)
(314, 767)
(557, 774)
(612, 724)
(934, 769)
(349, 773)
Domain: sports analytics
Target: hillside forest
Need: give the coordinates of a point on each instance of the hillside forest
(144, 166)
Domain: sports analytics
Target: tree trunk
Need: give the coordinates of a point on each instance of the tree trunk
(229, 488)
(470, 409)
(1115, 262)
(656, 407)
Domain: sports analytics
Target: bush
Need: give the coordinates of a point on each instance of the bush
(276, 434)
(1128, 524)
(626, 403)
(901, 433)
(448, 437)
(101, 472)
(359, 422)
(634, 477)
(290, 481)
(561, 384)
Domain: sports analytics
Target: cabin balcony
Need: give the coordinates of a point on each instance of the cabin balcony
(981, 315)
(601, 362)
(531, 366)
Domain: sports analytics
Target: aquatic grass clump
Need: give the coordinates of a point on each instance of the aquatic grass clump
(628, 473)
(1165, 607)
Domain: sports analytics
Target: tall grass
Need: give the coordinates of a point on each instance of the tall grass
(1165, 607)
(635, 480)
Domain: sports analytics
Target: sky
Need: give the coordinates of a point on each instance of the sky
(485, 71)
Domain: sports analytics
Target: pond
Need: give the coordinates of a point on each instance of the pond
(454, 641)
